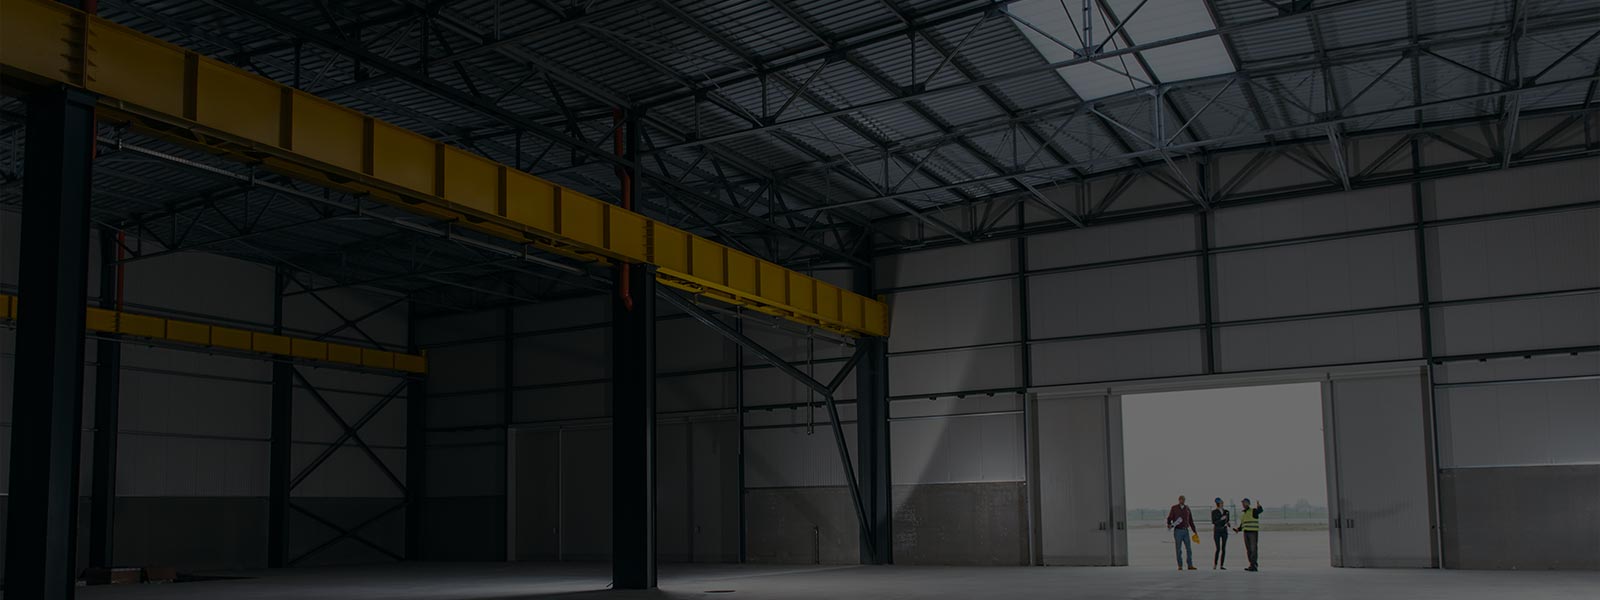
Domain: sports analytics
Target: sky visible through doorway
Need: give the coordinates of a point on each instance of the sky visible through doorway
(1260, 442)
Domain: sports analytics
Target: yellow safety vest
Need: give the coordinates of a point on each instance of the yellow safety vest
(1248, 520)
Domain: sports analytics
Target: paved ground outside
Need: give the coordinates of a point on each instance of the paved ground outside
(1153, 547)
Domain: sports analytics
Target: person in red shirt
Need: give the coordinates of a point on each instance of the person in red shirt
(1181, 522)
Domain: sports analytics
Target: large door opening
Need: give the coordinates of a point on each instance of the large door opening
(1263, 442)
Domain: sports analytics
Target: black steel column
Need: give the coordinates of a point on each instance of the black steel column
(47, 407)
(107, 400)
(279, 453)
(633, 433)
(872, 438)
(416, 447)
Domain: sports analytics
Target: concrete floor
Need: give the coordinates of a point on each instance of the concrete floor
(503, 581)
(1279, 549)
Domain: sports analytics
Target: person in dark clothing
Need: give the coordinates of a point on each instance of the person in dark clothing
(1250, 524)
(1181, 522)
(1219, 536)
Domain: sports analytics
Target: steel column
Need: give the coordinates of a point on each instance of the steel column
(872, 436)
(107, 401)
(633, 433)
(416, 447)
(738, 407)
(41, 526)
(278, 465)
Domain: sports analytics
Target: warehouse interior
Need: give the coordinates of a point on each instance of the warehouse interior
(787, 298)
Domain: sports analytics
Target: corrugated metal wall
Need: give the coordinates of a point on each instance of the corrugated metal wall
(194, 430)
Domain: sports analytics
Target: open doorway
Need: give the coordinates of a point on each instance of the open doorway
(1260, 442)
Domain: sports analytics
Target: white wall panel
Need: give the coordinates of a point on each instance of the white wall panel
(1381, 449)
(177, 466)
(561, 357)
(1558, 322)
(1543, 423)
(687, 345)
(469, 367)
(789, 457)
(1536, 253)
(1362, 272)
(458, 470)
(581, 401)
(1124, 298)
(1120, 357)
(1118, 241)
(465, 410)
(204, 284)
(959, 315)
(945, 264)
(1312, 215)
(955, 371)
(1520, 424)
(958, 449)
(695, 392)
(557, 314)
(1372, 337)
(1524, 187)
(196, 405)
(444, 329)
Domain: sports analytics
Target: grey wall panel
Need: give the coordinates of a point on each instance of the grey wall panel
(467, 528)
(1524, 187)
(961, 524)
(1312, 215)
(184, 361)
(191, 534)
(574, 312)
(802, 526)
(1489, 524)
(204, 284)
(674, 526)
(1279, 172)
(538, 499)
(184, 466)
(563, 402)
(1118, 241)
(790, 457)
(562, 357)
(1371, 337)
(1559, 322)
(471, 367)
(960, 315)
(586, 494)
(1362, 272)
(695, 392)
(306, 535)
(958, 449)
(1544, 423)
(687, 345)
(350, 395)
(1147, 192)
(1536, 253)
(955, 371)
(466, 470)
(1120, 357)
(945, 264)
(1125, 298)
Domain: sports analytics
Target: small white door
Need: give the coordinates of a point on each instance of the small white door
(1380, 451)
(1079, 449)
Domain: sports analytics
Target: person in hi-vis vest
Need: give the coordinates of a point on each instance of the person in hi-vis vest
(1250, 524)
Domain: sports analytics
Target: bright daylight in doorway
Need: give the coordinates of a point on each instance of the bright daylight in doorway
(1262, 443)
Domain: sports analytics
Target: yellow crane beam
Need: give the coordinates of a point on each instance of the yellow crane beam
(181, 95)
(205, 335)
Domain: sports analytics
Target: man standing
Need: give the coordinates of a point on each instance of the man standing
(1181, 522)
(1219, 535)
(1250, 524)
